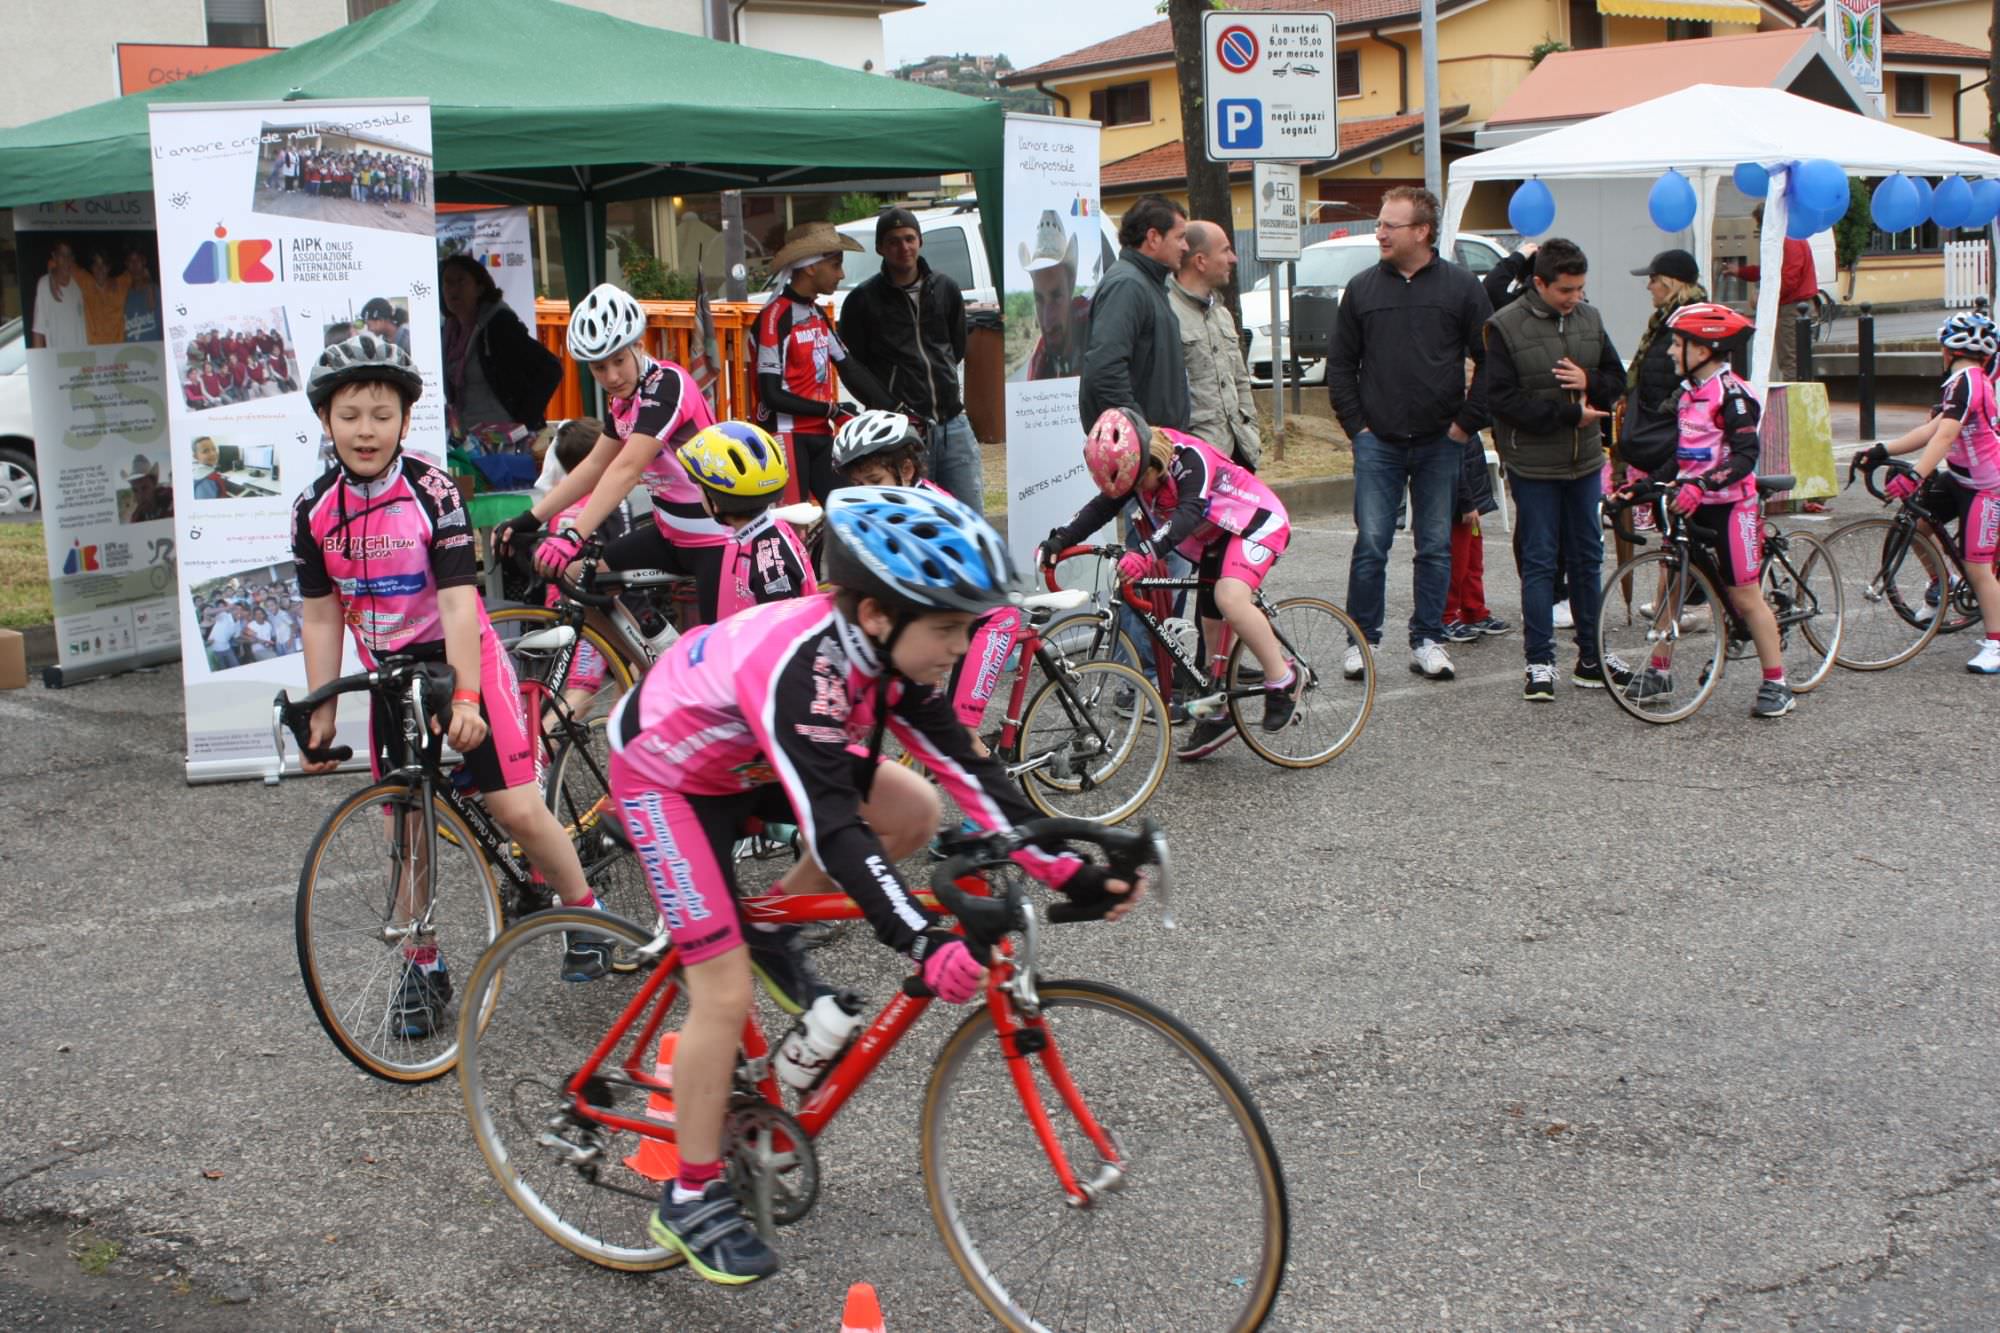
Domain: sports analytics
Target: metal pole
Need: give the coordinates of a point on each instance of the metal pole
(1433, 166)
(734, 274)
(1277, 371)
(1291, 303)
(1802, 335)
(1864, 333)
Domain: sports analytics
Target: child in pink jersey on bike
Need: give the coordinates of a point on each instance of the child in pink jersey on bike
(1963, 435)
(742, 473)
(1191, 499)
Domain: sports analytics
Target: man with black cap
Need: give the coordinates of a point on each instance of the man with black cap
(907, 325)
(1651, 428)
(380, 317)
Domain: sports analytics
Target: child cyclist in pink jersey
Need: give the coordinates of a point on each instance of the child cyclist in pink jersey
(879, 448)
(779, 712)
(383, 545)
(1963, 435)
(742, 473)
(655, 408)
(1215, 512)
(1715, 462)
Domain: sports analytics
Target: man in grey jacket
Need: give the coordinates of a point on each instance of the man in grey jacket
(1133, 358)
(1224, 413)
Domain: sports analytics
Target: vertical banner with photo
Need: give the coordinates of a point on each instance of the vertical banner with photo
(97, 400)
(499, 239)
(283, 227)
(1052, 256)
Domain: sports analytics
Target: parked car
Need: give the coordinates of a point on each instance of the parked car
(1324, 270)
(18, 491)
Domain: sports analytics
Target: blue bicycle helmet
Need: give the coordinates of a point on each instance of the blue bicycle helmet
(1970, 333)
(915, 549)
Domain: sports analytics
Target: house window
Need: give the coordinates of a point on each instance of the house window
(361, 9)
(1913, 95)
(1586, 26)
(236, 23)
(1347, 74)
(1926, 239)
(1681, 30)
(1123, 104)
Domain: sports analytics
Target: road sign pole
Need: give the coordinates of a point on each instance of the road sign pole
(1433, 150)
(1277, 371)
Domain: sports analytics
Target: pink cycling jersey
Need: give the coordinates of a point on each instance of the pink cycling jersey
(786, 693)
(1718, 434)
(1968, 399)
(667, 405)
(765, 560)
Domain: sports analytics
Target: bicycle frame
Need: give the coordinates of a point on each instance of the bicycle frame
(1010, 999)
(1056, 668)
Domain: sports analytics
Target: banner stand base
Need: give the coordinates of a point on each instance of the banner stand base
(57, 676)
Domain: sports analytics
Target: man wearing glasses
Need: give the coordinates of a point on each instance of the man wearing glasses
(1396, 374)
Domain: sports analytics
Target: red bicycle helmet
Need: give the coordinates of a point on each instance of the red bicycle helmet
(1710, 324)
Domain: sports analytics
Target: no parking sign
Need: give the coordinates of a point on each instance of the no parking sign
(1268, 81)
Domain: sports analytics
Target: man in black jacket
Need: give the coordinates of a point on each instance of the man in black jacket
(1396, 374)
(1133, 358)
(907, 325)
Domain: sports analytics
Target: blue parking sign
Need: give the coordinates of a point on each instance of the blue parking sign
(1239, 123)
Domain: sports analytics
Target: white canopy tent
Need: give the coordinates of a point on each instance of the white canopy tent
(1601, 170)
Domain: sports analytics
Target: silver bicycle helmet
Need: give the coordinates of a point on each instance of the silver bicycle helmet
(1968, 332)
(604, 322)
(364, 358)
(873, 432)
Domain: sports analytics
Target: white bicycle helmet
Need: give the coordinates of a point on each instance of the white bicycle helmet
(361, 359)
(873, 432)
(605, 322)
(1969, 332)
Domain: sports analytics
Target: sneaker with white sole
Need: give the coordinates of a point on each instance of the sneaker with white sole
(1649, 684)
(1986, 661)
(1541, 683)
(1429, 660)
(1352, 665)
(1209, 735)
(1596, 675)
(1563, 618)
(1774, 699)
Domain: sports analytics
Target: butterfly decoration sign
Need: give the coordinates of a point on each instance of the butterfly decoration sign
(1854, 27)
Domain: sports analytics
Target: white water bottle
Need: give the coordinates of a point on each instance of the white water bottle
(816, 1041)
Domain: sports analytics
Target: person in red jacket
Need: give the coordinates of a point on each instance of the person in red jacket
(1798, 283)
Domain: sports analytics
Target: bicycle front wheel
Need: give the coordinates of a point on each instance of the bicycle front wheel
(1892, 581)
(1332, 709)
(588, 1187)
(1186, 1231)
(1801, 584)
(1094, 743)
(514, 623)
(1674, 648)
(372, 910)
(580, 795)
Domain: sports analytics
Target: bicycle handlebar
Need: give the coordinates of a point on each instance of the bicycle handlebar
(1071, 553)
(988, 919)
(1619, 506)
(295, 716)
(1865, 467)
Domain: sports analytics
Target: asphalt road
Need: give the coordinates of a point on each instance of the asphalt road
(1558, 1020)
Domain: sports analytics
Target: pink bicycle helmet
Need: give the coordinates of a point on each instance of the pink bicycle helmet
(1115, 451)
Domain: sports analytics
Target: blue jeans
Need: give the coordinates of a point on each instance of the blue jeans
(1552, 515)
(1381, 470)
(954, 462)
(1178, 567)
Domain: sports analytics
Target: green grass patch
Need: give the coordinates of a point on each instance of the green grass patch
(95, 1257)
(24, 577)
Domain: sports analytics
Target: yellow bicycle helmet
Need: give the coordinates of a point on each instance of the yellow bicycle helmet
(739, 465)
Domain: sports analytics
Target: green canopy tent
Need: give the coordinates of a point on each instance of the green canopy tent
(538, 102)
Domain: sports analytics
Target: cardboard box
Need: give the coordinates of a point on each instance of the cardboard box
(13, 660)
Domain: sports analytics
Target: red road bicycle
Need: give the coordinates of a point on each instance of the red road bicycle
(1087, 1157)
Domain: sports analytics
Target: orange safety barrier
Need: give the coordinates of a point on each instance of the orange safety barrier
(669, 337)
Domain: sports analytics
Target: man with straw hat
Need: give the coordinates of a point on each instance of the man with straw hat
(1062, 315)
(797, 350)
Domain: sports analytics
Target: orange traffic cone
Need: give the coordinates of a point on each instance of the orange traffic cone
(657, 1159)
(863, 1313)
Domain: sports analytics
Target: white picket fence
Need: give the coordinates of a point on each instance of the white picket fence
(1968, 273)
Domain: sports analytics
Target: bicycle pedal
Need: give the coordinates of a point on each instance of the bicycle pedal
(1207, 706)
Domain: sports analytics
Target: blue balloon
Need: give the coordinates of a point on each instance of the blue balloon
(1752, 179)
(1822, 185)
(1801, 223)
(1923, 200)
(1894, 204)
(1532, 210)
(1672, 202)
(1952, 204)
(1985, 203)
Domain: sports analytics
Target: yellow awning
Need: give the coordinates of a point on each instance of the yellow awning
(1712, 11)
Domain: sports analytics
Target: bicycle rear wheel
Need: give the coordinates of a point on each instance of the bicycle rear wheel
(368, 897)
(1331, 709)
(589, 1188)
(1676, 660)
(1887, 576)
(1096, 742)
(1801, 585)
(1188, 1232)
(1082, 636)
